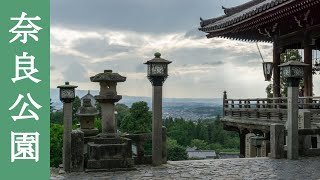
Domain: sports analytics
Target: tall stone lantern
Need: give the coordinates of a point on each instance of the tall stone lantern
(67, 96)
(157, 74)
(107, 97)
(108, 150)
(293, 71)
(87, 114)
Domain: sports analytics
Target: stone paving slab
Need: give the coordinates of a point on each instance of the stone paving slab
(229, 169)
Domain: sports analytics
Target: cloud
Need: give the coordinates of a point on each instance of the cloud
(197, 63)
(89, 37)
(75, 72)
(99, 47)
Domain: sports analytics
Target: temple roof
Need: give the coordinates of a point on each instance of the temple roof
(260, 20)
(233, 13)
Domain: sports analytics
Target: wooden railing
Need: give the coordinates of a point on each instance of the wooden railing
(268, 108)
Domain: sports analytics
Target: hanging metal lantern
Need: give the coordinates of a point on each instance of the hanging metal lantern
(317, 66)
(267, 70)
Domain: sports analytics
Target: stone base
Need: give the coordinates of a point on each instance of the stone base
(110, 164)
(109, 153)
(90, 132)
(110, 170)
(143, 160)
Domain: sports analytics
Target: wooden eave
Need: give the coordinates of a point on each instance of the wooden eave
(272, 17)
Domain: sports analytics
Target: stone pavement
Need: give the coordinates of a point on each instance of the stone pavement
(249, 168)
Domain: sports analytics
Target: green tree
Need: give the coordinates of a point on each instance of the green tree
(122, 111)
(51, 106)
(284, 57)
(75, 106)
(56, 117)
(175, 152)
(200, 144)
(98, 107)
(56, 136)
(138, 120)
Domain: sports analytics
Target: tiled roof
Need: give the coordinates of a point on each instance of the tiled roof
(201, 154)
(241, 13)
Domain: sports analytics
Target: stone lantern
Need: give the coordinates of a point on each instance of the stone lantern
(293, 70)
(157, 73)
(67, 95)
(267, 70)
(87, 114)
(108, 150)
(107, 97)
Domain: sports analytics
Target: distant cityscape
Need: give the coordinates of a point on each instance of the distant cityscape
(186, 108)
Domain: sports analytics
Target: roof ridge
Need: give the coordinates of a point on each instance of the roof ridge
(230, 11)
(241, 7)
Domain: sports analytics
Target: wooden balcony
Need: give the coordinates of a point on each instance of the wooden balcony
(259, 114)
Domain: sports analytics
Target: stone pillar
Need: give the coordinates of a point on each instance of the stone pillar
(140, 149)
(157, 125)
(164, 145)
(304, 123)
(293, 141)
(108, 123)
(318, 140)
(67, 128)
(77, 153)
(276, 70)
(277, 141)
(250, 149)
(264, 148)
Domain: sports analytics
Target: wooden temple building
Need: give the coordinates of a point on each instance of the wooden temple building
(288, 24)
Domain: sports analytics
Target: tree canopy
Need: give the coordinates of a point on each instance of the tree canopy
(138, 119)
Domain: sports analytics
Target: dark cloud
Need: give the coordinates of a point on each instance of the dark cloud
(139, 15)
(217, 63)
(98, 48)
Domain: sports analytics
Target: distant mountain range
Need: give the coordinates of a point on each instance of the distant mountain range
(187, 108)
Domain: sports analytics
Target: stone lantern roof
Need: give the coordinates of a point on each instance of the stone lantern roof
(108, 76)
(87, 109)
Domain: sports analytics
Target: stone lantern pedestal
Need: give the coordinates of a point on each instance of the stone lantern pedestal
(87, 114)
(108, 150)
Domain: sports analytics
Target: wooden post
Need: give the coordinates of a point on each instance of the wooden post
(307, 79)
(242, 135)
(224, 103)
(276, 70)
(277, 141)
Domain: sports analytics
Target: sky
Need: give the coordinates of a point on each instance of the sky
(88, 37)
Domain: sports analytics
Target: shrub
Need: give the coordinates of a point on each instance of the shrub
(56, 142)
(175, 152)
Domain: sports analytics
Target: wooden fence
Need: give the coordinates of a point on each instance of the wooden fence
(268, 108)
